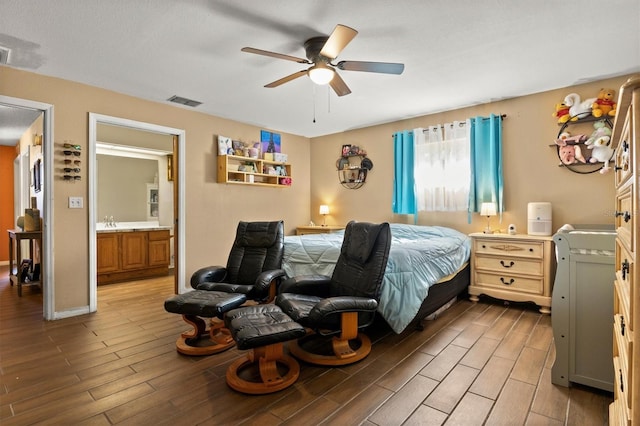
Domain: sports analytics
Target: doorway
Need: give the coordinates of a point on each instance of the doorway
(46, 253)
(178, 173)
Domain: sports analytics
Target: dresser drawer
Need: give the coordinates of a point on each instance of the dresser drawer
(621, 344)
(625, 216)
(624, 155)
(512, 282)
(532, 249)
(621, 384)
(621, 301)
(509, 265)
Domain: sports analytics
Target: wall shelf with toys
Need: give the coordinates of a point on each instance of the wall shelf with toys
(253, 164)
(353, 167)
(253, 171)
(583, 142)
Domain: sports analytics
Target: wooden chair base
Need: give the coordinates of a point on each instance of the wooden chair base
(269, 379)
(200, 341)
(344, 351)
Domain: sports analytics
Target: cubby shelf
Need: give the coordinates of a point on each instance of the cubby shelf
(235, 169)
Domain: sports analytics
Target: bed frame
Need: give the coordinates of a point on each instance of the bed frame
(441, 293)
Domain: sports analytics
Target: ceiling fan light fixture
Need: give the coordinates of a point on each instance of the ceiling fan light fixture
(321, 74)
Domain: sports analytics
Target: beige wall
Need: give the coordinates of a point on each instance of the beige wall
(531, 171)
(213, 210)
(121, 187)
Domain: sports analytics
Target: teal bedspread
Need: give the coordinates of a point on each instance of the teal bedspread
(420, 256)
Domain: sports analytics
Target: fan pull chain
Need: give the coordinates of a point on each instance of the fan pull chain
(314, 103)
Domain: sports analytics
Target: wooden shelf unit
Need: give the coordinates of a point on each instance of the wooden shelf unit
(255, 172)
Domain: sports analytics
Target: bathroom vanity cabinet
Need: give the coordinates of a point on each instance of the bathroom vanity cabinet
(129, 255)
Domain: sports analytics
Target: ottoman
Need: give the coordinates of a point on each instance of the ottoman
(264, 329)
(198, 304)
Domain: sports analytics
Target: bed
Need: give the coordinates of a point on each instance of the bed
(427, 267)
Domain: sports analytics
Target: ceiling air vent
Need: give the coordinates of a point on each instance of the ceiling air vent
(4, 55)
(184, 101)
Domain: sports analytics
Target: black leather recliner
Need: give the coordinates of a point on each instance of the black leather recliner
(254, 263)
(252, 273)
(341, 305)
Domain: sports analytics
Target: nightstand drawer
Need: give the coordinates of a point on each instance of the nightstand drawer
(510, 265)
(510, 282)
(532, 249)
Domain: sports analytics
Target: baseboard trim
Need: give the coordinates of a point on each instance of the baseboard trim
(71, 313)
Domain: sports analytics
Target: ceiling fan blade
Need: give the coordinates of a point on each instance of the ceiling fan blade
(275, 55)
(339, 86)
(338, 40)
(287, 79)
(381, 67)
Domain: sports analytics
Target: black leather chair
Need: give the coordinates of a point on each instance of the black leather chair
(252, 273)
(254, 263)
(336, 308)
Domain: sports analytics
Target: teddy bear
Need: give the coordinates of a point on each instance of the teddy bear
(569, 149)
(604, 104)
(562, 113)
(599, 144)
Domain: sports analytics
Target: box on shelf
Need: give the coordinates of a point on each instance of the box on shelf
(280, 158)
(268, 156)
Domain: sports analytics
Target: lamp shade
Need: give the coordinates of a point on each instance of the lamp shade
(321, 74)
(324, 209)
(488, 209)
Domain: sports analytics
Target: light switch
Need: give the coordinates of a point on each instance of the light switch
(75, 202)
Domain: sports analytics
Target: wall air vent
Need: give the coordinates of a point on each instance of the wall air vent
(184, 101)
(4, 55)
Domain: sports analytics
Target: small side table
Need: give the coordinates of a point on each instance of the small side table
(519, 268)
(303, 230)
(15, 238)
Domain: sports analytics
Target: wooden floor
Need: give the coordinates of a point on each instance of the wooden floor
(475, 364)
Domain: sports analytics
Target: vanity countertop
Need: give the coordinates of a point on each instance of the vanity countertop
(131, 227)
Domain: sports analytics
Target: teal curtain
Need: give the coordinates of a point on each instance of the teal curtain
(487, 184)
(404, 197)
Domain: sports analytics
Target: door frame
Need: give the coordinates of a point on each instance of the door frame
(179, 219)
(46, 251)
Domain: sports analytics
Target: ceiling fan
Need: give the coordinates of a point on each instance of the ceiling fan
(320, 51)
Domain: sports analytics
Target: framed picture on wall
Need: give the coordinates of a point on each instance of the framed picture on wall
(269, 142)
(37, 180)
(346, 150)
(224, 145)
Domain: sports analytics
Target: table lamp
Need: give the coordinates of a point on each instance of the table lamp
(324, 211)
(488, 210)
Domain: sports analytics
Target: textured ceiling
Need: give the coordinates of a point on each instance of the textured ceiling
(456, 52)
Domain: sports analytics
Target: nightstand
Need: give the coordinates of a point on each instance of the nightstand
(519, 268)
(303, 230)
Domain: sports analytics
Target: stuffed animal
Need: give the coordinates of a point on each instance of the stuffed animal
(600, 129)
(578, 109)
(599, 144)
(569, 148)
(604, 104)
(562, 113)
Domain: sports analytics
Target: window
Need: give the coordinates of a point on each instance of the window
(442, 167)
